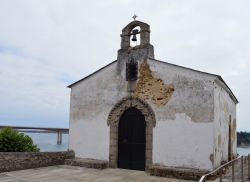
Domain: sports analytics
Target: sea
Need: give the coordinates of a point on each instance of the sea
(47, 142)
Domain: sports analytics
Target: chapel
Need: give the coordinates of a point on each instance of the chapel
(141, 113)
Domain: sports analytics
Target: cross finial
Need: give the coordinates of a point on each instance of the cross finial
(134, 17)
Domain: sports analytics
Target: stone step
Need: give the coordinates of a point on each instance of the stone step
(175, 172)
(86, 162)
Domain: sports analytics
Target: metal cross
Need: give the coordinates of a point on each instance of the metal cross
(134, 17)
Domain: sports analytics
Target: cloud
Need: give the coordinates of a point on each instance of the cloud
(45, 45)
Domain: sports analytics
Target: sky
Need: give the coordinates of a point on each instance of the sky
(45, 45)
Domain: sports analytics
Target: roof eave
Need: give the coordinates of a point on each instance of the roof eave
(223, 84)
(84, 78)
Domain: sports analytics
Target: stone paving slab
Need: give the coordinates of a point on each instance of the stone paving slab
(64, 173)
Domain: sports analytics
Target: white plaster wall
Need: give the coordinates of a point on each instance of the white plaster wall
(91, 101)
(183, 143)
(184, 132)
(183, 136)
(224, 107)
(90, 139)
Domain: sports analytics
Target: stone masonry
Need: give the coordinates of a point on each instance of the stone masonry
(11, 161)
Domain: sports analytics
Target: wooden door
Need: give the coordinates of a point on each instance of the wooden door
(132, 140)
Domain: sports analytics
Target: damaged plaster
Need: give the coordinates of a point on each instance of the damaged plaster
(234, 131)
(219, 140)
(192, 95)
(211, 157)
(149, 87)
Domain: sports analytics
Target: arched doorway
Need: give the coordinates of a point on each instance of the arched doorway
(132, 140)
(114, 119)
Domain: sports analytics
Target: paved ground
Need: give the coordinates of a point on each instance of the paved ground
(65, 173)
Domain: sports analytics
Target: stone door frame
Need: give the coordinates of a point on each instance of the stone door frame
(113, 122)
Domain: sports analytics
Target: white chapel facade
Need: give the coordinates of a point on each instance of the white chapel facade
(138, 112)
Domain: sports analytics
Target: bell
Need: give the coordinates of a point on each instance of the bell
(134, 38)
(134, 32)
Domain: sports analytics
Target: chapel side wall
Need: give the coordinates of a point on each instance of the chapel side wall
(225, 114)
(183, 136)
(91, 102)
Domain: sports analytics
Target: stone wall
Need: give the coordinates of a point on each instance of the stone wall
(88, 163)
(177, 173)
(10, 161)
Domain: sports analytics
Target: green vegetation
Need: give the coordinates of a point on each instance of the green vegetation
(243, 138)
(13, 141)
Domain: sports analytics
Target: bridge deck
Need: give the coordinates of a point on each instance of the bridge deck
(31, 129)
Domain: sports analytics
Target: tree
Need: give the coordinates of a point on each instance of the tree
(243, 138)
(13, 141)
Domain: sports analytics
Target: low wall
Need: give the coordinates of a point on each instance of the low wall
(177, 173)
(10, 161)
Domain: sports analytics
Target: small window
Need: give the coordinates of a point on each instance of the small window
(131, 70)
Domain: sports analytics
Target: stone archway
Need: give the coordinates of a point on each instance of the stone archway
(113, 122)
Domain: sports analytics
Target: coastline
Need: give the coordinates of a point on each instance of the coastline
(243, 146)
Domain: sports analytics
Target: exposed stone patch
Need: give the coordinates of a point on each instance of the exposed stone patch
(150, 88)
(194, 97)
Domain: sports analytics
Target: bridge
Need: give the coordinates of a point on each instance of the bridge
(29, 129)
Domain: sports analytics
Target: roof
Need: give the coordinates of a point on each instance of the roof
(84, 78)
(227, 88)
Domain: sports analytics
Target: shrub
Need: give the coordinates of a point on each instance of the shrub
(13, 141)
